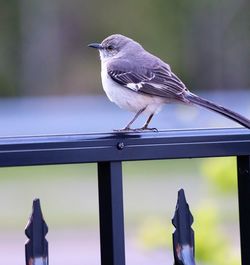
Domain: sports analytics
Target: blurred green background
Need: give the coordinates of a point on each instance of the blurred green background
(69, 198)
(43, 52)
(43, 44)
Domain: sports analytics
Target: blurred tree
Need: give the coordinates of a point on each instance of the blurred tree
(41, 47)
(9, 43)
(43, 44)
(221, 173)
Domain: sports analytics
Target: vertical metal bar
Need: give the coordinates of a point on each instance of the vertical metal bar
(111, 213)
(36, 248)
(243, 164)
(183, 236)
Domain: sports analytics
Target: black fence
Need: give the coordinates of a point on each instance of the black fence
(36, 248)
(109, 150)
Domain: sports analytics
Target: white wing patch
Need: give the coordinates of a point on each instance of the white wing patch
(137, 86)
(134, 86)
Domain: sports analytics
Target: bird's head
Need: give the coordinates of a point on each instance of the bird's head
(114, 45)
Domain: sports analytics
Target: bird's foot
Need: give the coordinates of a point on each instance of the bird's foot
(145, 128)
(142, 129)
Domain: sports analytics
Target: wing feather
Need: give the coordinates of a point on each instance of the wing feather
(158, 81)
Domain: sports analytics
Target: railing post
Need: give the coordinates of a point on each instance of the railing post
(111, 213)
(36, 248)
(183, 236)
(243, 164)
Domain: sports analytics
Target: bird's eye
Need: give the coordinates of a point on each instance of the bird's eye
(110, 48)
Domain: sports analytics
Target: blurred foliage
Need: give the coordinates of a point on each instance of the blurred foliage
(71, 200)
(221, 173)
(152, 234)
(9, 47)
(43, 43)
(212, 246)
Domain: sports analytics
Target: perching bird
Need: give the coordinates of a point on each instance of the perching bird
(140, 82)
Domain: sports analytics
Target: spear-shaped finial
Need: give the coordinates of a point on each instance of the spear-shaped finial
(36, 248)
(183, 237)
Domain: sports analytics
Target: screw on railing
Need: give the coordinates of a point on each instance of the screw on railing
(36, 248)
(183, 236)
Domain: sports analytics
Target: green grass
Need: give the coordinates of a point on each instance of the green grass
(69, 197)
(69, 200)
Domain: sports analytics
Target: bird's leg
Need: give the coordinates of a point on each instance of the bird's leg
(145, 126)
(127, 128)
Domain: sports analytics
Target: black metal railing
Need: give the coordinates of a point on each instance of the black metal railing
(109, 150)
(36, 248)
(183, 236)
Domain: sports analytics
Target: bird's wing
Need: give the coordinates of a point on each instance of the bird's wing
(157, 81)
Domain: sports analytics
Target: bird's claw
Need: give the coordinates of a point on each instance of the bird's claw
(127, 129)
(148, 129)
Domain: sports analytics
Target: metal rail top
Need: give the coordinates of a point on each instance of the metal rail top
(116, 146)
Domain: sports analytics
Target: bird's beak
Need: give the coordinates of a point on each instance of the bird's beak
(95, 45)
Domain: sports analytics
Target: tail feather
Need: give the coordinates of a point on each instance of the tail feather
(217, 108)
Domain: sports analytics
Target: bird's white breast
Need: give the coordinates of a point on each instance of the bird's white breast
(128, 99)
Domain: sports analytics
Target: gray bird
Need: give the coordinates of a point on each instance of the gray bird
(140, 82)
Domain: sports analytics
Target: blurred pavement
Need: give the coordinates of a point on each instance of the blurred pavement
(86, 114)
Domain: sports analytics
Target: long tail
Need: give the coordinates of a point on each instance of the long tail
(217, 108)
